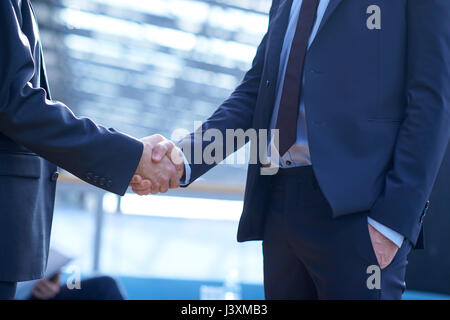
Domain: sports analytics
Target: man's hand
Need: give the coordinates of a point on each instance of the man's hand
(160, 168)
(385, 249)
(46, 289)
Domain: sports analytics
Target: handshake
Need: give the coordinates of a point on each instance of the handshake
(161, 167)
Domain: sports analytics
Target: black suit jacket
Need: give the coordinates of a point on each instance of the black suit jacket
(36, 136)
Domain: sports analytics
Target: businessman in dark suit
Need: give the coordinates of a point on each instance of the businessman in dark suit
(32, 127)
(359, 91)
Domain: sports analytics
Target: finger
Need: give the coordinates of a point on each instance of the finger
(137, 179)
(174, 182)
(44, 292)
(46, 285)
(164, 187)
(164, 180)
(162, 149)
(49, 288)
(145, 184)
(56, 278)
(55, 288)
(144, 192)
(37, 293)
(383, 262)
(41, 283)
(155, 188)
(48, 293)
(387, 257)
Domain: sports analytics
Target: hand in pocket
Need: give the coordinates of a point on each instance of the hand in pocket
(384, 249)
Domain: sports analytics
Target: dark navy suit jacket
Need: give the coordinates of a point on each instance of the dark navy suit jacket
(377, 109)
(33, 128)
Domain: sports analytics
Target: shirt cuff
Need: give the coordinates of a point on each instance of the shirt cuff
(392, 235)
(187, 171)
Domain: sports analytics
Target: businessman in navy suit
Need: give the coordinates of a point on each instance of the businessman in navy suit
(34, 128)
(359, 91)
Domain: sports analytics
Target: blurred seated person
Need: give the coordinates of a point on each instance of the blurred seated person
(97, 288)
(51, 287)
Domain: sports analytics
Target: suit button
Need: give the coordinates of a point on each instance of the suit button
(267, 83)
(288, 163)
(109, 183)
(102, 182)
(89, 177)
(55, 176)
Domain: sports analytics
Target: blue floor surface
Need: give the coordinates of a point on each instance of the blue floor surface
(165, 289)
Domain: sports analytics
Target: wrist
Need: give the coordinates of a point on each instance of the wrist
(146, 154)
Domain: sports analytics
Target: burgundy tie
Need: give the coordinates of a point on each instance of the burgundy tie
(290, 98)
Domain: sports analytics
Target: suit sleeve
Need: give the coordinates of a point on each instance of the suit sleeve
(425, 131)
(97, 155)
(235, 113)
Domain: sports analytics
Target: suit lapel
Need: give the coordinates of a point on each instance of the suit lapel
(277, 33)
(332, 6)
(280, 23)
(276, 36)
(276, 39)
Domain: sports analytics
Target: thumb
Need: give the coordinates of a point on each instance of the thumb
(161, 150)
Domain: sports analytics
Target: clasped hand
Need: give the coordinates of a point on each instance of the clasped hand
(160, 168)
